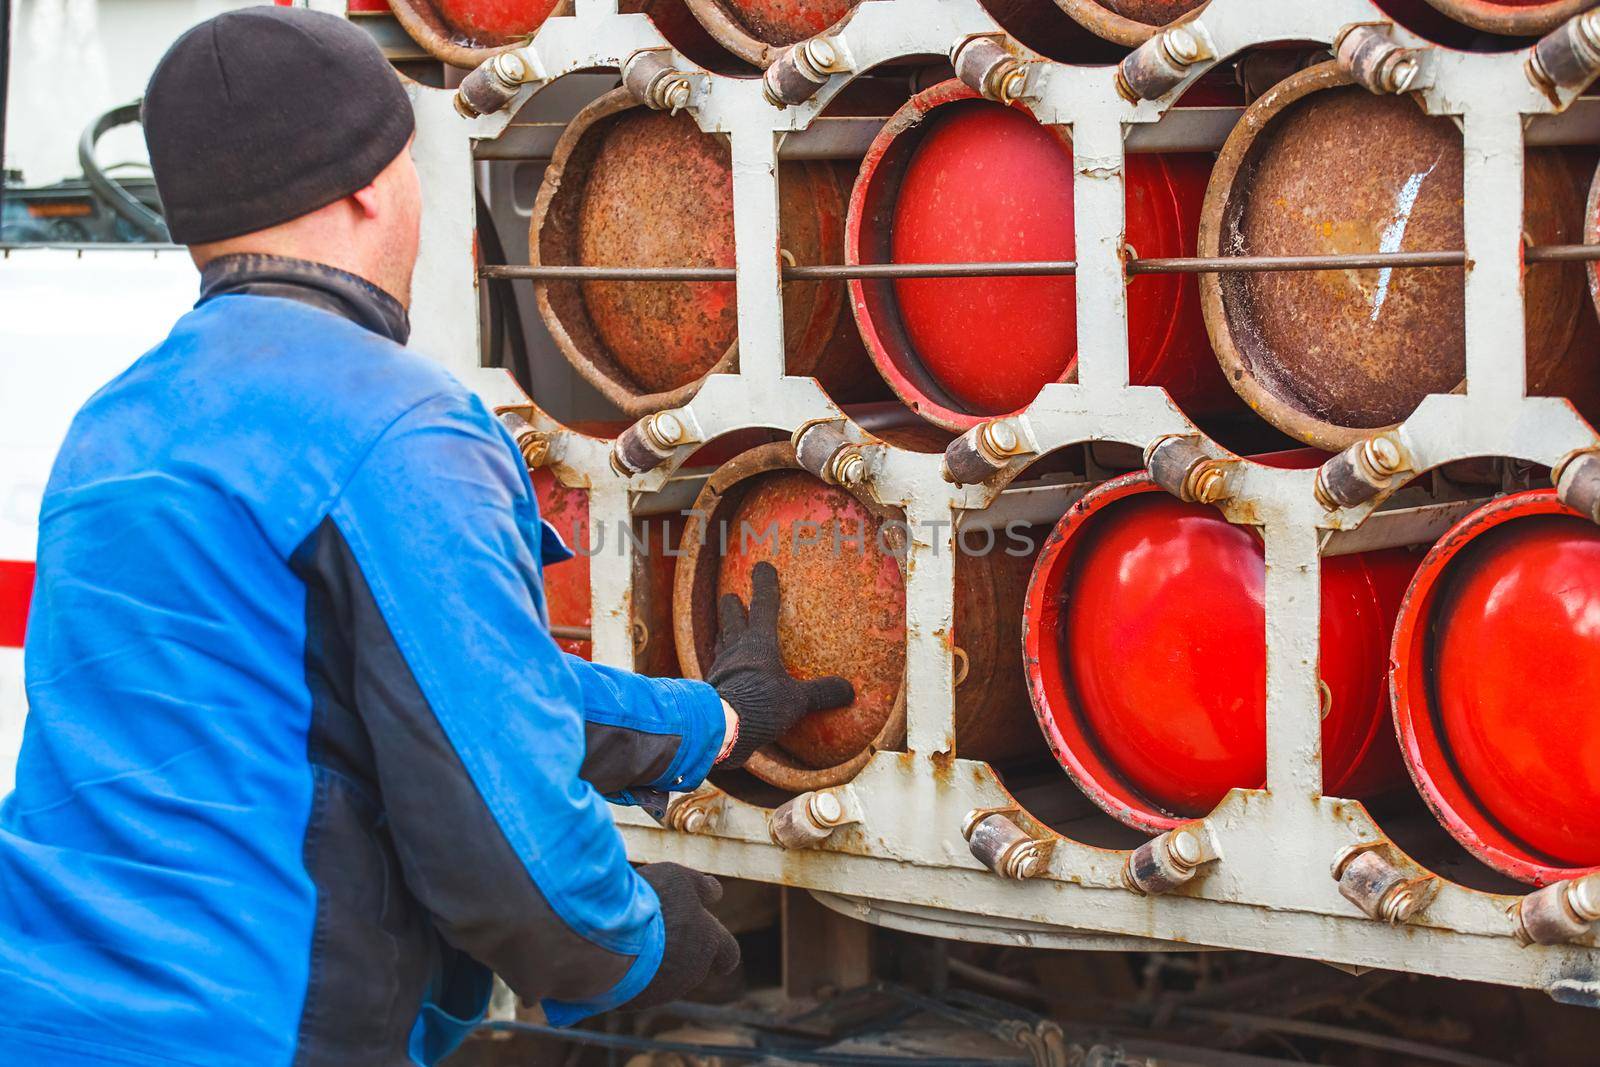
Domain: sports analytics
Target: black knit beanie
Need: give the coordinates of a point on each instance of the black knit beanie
(261, 115)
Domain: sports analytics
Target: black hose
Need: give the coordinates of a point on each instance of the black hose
(110, 192)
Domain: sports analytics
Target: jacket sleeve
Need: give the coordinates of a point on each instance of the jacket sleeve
(646, 733)
(477, 719)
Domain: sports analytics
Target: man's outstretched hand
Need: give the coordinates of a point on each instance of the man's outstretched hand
(698, 946)
(749, 674)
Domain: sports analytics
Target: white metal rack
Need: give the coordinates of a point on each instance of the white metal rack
(906, 863)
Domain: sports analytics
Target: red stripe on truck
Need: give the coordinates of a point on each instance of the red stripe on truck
(16, 589)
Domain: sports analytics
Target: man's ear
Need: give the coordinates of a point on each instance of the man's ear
(366, 199)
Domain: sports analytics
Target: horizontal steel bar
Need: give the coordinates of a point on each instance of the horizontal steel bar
(1181, 129)
(571, 633)
(1032, 268)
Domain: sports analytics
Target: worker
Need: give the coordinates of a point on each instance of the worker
(302, 765)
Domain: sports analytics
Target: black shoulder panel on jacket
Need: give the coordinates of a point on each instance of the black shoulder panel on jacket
(424, 854)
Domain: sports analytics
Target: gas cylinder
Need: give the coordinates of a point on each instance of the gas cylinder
(843, 611)
(1495, 680)
(956, 178)
(1319, 166)
(464, 33)
(757, 30)
(628, 186)
(566, 584)
(1510, 18)
(1127, 22)
(1145, 641)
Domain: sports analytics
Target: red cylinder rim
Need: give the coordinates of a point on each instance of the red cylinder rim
(1047, 689)
(881, 171)
(1427, 761)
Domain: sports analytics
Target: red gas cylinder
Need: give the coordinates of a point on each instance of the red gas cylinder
(843, 611)
(631, 187)
(1507, 18)
(955, 178)
(464, 33)
(1146, 643)
(566, 584)
(1496, 678)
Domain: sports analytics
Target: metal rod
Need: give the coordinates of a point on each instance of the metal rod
(1257, 264)
(571, 633)
(1038, 268)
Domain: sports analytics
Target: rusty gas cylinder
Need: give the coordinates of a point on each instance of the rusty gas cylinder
(757, 30)
(464, 33)
(633, 187)
(1145, 640)
(1321, 166)
(843, 611)
(955, 178)
(566, 584)
(1495, 679)
(1127, 22)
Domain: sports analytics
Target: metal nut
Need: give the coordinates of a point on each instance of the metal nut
(1557, 913)
(1577, 481)
(695, 813)
(1168, 860)
(1004, 847)
(1180, 464)
(1379, 888)
(1568, 56)
(1374, 60)
(1360, 472)
(807, 820)
(848, 466)
(650, 78)
(983, 63)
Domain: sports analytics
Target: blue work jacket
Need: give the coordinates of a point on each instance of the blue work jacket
(302, 763)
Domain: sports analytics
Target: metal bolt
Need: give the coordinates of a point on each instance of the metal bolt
(822, 54)
(1396, 905)
(674, 93)
(1024, 861)
(1583, 897)
(1008, 850)
(1181, 46)
(695, 820)
(510, 68)
(1208, 484)
(999, 439)
(1589, 29)
(664, 429)
(1382, 455)
(535, 448)
(1399, 76)
(1185, 848)
(1012, 82)
(825, 809)
(849, 466)
(1342, 858)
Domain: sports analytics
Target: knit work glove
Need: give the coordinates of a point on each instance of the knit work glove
(698, 946)
(748, 671)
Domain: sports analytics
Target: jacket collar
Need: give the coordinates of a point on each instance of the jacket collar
(316, 284)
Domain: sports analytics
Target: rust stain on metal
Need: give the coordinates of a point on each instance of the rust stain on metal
(1326, 167)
